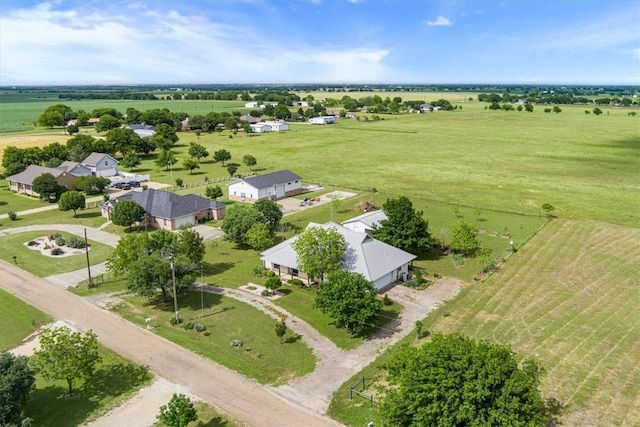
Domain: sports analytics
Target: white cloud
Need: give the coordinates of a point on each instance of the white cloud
(45, 45)
(636, 53)
(441, 21)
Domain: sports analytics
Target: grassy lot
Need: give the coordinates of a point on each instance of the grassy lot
(115, 381)
(42, 265)
(88, 217)
(10, 201)
(261, 356)
(18, 320)
(570, 299)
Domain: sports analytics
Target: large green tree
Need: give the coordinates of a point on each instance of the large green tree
(260, 237)
(404, 228)
(350, 299)
(127, 212)
(130, 160)
(71, 200)
(197, 151)
(190, 164)
(67, 355)
(179, 412)
(456, 381)
(213, 192)
(164, 136)
(47, 187)
(107, 122)
(17, 380)
(124, 140)
(92, 184)
(249, 161)
(271, 212)
(55, 115)
(319, 251)
(222, 156)
(238, 219)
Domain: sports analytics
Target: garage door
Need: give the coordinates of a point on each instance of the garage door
(184, 221)
(107, 172)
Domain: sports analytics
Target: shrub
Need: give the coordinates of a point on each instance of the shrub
(32, 243)
(57, 251)
(12, 215)
(273, 283)
(436, 275)
(144, 187)
(296, 282)
(174, 321)
(265, 293)
(258, 270)
(75, 242)
(55, 236)
(269, 273)
(207, 333)
(199, 327)
(60, 241)
(386, 300)
(189, 325)
(179, 182)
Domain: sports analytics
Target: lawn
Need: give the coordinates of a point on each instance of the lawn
(261, 356)
(207, 417)
(10, 201)
(570, 299)
(114, 381)
(18, 320)
(42, 265)
(87, 217)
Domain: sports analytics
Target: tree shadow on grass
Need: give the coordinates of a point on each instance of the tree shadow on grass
(82, 214)
(214, 422)
(292, 339)
(217, 268)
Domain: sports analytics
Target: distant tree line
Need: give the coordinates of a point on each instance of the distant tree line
(555, 98)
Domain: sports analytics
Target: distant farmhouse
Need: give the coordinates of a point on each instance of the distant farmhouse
(272, 186)
(143, 130)
(378, 262)
(269, 126)
(323, 120)
(169, 211)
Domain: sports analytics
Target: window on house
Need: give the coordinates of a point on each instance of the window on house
(294, 272)
(288, 183)
(276, 266)
(106, 162)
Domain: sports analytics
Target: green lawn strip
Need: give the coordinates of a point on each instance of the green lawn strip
(229, 266)
(103, 283)
(41, 265)
(115, 381)
(18, 320)
(89, 218)
(208, 416)
(10, 201)
(261, 356)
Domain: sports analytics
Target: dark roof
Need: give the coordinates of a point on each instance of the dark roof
(140, 126)
(32, 172)
(274, 178)
(163, 204)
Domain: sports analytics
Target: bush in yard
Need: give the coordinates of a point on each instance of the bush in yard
(178, 412)
(12, 215)
(55, 235)
(273, 283)
(75, 242)
(296, 282)
(57, 251)
(60, 241)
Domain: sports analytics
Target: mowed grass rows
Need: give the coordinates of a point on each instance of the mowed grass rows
(570, 299)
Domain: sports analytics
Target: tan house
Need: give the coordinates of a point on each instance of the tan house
(169, 211)
(22, 182)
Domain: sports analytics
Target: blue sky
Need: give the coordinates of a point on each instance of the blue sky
(319, 41)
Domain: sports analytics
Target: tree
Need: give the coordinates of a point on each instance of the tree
(67, 355)
(350, 299)
(319, 251)
(164, 136)
(454, 380)
(281, 329)
(597, 111)
(91, 184)
(221, 155)
(197, 151)
(238, 220)
(249, 161)
(232, 169)
(557, 109)
(107, 122)
(178, 412)
(190, 164)
(404, 228)
(55, 115)
(73, 129)
(465, 239)
(127, 251)
(548, 209)
(124, 140)
(166, 158)
(270, 211)
(130, 160)
(273, 283)
(259, 237)
(213, 192)
(71, 200)
(190, 244)
(528, 107)
(47, 187)
(127, 212)
(17, 380)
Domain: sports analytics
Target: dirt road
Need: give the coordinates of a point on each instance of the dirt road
(241, 398)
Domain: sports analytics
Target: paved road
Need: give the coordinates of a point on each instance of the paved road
(242, 398)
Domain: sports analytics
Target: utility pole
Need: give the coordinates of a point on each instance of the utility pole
(86, 250)
(175, 295)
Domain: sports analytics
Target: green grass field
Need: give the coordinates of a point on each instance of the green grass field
(570, 299)
(88, 217)
(261, 356)
(18, 320)
(42, 265)
(114, 381)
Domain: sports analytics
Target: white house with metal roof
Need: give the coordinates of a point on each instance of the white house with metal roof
(378, 262)
(273, 186)
(366, 222)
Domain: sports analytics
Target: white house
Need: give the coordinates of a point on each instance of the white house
(252, 104)
(276, 126)
(101, 164)
(323, 120)
(378, 262)
(366, 222)
(143, 130)
(273, 186)
(260, 127)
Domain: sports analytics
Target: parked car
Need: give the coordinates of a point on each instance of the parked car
(121, 185)
(134, 183)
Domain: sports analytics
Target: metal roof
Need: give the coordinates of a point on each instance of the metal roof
(274, 178)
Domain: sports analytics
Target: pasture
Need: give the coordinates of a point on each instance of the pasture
(18, 320)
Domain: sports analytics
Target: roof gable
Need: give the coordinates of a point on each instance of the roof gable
(274, 178)
(369, 218)
(166, 205)
(94, 158)
(32, 172)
